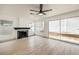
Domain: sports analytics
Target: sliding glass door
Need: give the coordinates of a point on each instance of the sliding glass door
(70, 29)
(54, 29)
(65, 29)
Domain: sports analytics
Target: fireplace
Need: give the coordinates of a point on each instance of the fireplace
(22, 32)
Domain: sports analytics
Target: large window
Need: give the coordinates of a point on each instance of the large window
(6, 27)
(7, 31)
(67, 29)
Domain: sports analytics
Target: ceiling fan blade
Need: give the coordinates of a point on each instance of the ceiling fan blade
(32, 13)
(43, 13)
(34, 10)
(47, 10)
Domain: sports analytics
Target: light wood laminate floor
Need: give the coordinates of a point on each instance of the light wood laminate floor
(36, 45)
(65, 36)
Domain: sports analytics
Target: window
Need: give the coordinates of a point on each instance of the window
(5, 27)
(39, 27)
(65, 29)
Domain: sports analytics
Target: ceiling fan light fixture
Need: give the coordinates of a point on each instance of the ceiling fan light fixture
(40, 14)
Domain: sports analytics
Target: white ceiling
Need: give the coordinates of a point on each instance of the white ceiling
(24, 9)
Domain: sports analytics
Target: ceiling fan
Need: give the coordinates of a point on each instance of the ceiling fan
(41, 11)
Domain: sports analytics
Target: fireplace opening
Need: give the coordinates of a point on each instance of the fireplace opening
(22, 34)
